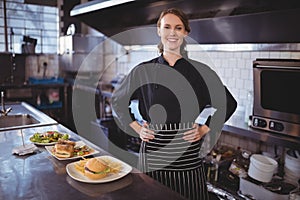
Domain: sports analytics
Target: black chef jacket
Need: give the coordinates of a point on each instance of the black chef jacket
(155, 82)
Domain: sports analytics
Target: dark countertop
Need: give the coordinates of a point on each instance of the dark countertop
(41, 176)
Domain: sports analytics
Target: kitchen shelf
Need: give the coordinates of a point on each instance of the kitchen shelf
(52, 80)
(54, 105)
(31, 92)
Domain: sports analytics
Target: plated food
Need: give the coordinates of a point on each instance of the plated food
(66, 149)
(100, 169)
(95, 168)
(48, 138)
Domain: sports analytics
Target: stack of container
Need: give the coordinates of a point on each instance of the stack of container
(292, 166)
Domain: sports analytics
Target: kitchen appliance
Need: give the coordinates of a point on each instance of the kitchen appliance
(276, 105)
(74, 49)
(275, 190)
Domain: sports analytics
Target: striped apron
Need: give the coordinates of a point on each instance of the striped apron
(174, 162)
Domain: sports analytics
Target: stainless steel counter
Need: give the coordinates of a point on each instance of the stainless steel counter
(21, 109)
(41, 176)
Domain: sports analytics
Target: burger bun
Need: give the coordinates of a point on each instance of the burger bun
(95, 168)
(63, 150)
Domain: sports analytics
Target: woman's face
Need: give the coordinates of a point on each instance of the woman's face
(171, 32)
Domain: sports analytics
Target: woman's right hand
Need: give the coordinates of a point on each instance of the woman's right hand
(143, 131)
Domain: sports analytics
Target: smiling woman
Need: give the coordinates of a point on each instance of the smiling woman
(172, 27)
(171, 90)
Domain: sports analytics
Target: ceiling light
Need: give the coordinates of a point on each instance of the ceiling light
(97, 6)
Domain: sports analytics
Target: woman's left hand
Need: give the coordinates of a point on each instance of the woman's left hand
(196, 133)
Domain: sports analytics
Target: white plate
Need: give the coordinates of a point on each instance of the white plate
(44, 144)
(77, 175)
(79, 143)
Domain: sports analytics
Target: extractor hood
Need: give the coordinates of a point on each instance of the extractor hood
(212, 21)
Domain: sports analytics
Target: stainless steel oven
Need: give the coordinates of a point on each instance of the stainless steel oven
(276, 105)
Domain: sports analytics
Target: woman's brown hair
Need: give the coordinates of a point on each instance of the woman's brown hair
(182, 16)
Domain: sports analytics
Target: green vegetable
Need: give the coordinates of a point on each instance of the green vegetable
(65, 136)
(48, 137)
(36, 136)
(107, 170)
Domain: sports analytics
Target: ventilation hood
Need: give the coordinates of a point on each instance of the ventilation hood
(212, 21)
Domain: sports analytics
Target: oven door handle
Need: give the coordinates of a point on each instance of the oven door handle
(276, 67)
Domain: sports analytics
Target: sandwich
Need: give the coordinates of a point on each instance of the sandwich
(64, 148)
(95, 168)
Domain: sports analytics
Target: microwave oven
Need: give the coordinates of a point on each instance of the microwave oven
(276, 105)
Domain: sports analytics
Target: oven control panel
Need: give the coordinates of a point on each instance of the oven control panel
(275, 126)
